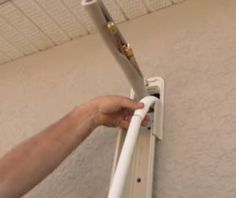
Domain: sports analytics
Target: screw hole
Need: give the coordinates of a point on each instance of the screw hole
(139, 180)
(149, 128)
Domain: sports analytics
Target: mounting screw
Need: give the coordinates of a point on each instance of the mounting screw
(111, 26)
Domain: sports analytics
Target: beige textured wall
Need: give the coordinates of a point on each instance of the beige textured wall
(192, 45)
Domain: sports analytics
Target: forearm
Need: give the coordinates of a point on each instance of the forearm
(30, 162)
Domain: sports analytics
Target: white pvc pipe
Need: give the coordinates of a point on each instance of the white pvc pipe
(119, 178)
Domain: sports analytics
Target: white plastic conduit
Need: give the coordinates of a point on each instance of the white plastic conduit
(119, 178)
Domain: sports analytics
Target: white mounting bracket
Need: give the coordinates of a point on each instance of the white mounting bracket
(156, 85)
(140, 178)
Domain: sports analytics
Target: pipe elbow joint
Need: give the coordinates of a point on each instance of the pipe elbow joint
(147, 101)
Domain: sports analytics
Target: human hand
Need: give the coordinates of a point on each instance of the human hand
(115, 111)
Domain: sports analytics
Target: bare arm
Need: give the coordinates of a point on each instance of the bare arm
(31, 161)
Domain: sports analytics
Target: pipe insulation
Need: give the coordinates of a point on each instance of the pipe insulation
(120, 175)
(100, 17)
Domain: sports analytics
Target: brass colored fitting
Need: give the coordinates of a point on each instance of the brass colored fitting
(111, 26)
(128, 51)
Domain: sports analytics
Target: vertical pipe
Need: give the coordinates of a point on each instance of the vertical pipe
(120, 175)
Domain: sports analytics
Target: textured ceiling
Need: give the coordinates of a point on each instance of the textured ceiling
(29, 26)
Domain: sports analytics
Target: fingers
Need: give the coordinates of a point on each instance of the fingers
(112, 104)
(124, 118)
(124, 124)
(146, 120)
(128, 113)
(114, 107)
(128, 103)
(119, 120)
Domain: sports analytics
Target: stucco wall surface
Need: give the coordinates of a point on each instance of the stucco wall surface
(192, 46)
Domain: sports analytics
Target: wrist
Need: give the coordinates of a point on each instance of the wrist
(94, 109)
(87, 115)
